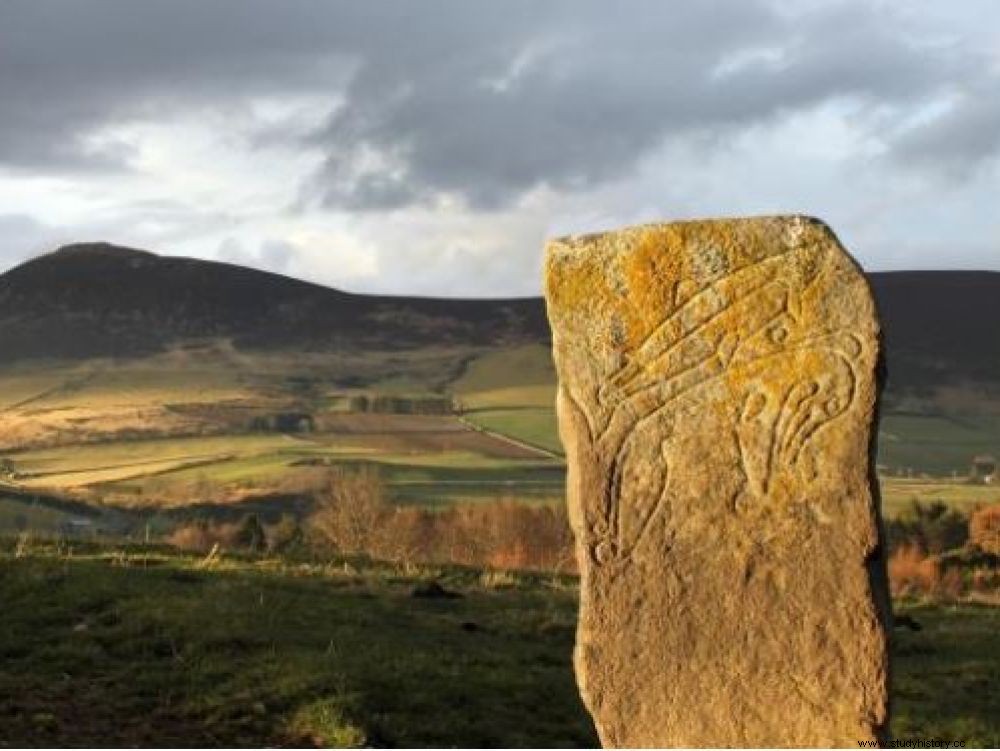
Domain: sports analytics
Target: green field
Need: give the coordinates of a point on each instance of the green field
(522, 376)
(142, 647)
(899, 494)
(172, 429)
(513, 393)
(177, 427)
(162, 472)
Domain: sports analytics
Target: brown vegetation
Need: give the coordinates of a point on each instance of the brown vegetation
(984, 529)
(247, 535)
(354, 516)
(913, 573)
(966, 571)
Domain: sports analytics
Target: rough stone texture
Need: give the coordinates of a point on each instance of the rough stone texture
(716, 400)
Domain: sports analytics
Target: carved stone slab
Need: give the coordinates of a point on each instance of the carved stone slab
(716, 402)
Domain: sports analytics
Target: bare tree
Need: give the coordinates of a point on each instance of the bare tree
(351, 510)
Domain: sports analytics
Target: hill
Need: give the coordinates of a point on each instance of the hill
(101, 300)
(104, 344)
(941, 329)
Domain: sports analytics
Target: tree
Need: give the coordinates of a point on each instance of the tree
(352, 509)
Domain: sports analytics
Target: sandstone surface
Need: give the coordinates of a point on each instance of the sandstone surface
(717, 401)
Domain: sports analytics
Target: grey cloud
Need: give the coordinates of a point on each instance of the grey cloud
(69, 69)
(960, 140)
(22, 237)
(602, 86)
(614, 83)
(479, 102)
(270, 255)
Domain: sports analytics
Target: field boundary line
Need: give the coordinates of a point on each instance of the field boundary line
(508, 439)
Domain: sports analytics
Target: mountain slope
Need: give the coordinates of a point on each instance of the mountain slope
(95, 300)
(100, 300)
(940, 327)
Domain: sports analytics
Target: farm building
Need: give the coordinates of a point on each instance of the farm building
(984, 469)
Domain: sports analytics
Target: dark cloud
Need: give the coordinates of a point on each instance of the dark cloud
(70, 70)
(576, 99)
(960, 139)
(450, 99)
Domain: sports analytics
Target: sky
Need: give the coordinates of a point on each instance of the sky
(431, 147)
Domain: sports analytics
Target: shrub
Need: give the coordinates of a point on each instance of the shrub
(986, 581)
(912, 573)
(285, 535)
(194, 536)
(950, 585)
(250, 534)
(984, 529)
(934, 528)
(200, 536)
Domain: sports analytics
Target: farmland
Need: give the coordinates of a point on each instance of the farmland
(443, 457)
(201, 425)
(185, 426)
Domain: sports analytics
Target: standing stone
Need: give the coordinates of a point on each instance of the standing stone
(716, 399)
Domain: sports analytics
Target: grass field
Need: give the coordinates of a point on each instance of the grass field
(513, 393)
(521, 376)
(141, 647)
(898, 494)
(99, 650)
(427, 460)
(165, 430)
(445, 464)
(154, 431)
(946, 675)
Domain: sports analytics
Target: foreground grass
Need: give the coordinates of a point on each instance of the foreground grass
(947, 675)
(109, 648)
(112, 650)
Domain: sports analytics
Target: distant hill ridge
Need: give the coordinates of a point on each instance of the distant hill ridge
(100, 300)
